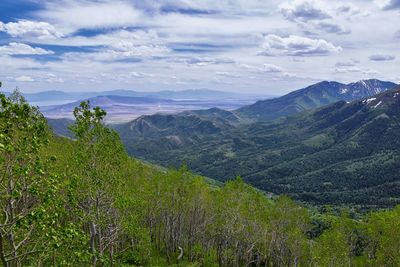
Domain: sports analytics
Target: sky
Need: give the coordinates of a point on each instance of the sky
(246, 46)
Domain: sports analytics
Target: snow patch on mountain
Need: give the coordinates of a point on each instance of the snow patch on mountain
(377, 105)
(369, 100)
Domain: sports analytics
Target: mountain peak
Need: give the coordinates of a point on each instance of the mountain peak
(314, 96)
(325, 83)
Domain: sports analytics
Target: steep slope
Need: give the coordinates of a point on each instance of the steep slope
(313, 96)
(341, 153)
(165, 132)
(181, 131)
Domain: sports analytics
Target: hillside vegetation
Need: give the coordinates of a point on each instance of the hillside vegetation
(86, 203)
(343, 153)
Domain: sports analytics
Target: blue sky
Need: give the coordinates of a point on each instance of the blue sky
(258, 46)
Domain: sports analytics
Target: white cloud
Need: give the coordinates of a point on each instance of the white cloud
(26, 28)
(271, 68)
(120, 51)
(52, 78)
(344, 69)
(23, 49)
(24, 79)
(353, 69)
(227, 74)
(293, 45)
(314, 15)
(201, 61)
(75, 15)
(303, 10)
(198, 41)
(127, 48)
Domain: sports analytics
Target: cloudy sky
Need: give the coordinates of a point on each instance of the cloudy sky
(260, 46)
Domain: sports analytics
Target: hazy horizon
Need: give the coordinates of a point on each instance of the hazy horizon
(10, 90)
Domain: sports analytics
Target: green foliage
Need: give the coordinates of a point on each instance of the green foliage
(341, 154)
(84, 202)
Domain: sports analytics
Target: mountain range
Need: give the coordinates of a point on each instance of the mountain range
(313, 96)
(126, 105)
(54, 97)
(343, 152)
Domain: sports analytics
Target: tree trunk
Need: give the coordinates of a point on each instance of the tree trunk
(92, 242)
(2, 256)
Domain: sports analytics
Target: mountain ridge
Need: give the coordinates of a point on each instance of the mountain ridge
(339, 153)
(313, 96)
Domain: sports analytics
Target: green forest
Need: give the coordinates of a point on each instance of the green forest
(339, 154)
(85, 202)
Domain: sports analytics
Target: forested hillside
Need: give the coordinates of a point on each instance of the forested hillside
(86, 203)
(343, 153)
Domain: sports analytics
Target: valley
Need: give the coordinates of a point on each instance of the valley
(342, 153)
(126, 105)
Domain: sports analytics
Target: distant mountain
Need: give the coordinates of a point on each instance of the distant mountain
(119, 108)
(339, 154)
(124, 108)
(107, 101)
(46, 98)
(313, 96)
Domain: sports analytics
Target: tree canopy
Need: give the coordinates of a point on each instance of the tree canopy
(84, 202)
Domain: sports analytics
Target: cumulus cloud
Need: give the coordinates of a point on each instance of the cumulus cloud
(75, 15)
(126, 48)
(265, 68)
(123, 50)
(23, 49)
(303, 10)
(197, 41)
(293, 45)
(311, 16)
(26, 28)
(382, 57)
